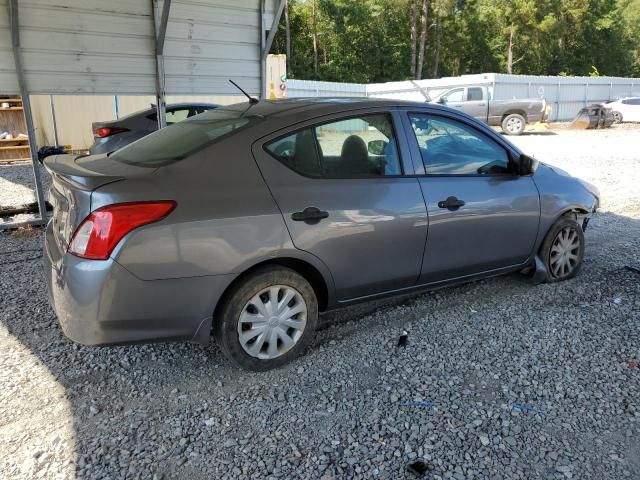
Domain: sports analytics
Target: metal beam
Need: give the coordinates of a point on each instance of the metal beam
(273, 29)
(12, 9)
(265, 44)
(160, 30)
(16, 225)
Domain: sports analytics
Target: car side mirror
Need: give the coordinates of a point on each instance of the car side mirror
(376, 147)
(526, 165)
(442, 100)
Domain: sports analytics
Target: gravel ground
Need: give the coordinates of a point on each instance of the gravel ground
(17, 188)
(517, 381)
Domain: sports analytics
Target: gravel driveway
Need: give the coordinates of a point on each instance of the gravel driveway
(499, 380)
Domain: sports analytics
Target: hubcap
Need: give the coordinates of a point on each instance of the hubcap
(514, 124)
(272, 322)
(564, 252)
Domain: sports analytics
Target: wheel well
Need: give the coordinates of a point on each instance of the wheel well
(308, 271)
(519, 112)
(574, 213)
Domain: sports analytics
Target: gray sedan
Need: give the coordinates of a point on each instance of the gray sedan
(111, 135)
(245, 222)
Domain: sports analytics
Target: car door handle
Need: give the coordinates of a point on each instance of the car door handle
(451, 203)
(309, 215)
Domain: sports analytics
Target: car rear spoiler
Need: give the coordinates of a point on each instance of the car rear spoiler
(67, 169)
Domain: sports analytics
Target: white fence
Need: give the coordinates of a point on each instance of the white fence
(566, 95)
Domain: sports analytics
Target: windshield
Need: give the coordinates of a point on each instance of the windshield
(176, 142)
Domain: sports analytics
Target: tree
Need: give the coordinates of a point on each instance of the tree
(383, 40)
(424, 15)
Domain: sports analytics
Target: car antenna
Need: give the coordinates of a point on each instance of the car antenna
(252, 100)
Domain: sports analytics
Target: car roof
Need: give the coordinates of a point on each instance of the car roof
(282, 113)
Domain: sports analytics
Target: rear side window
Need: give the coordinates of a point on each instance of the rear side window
(351, 148)
(474, 94)
(181, 139)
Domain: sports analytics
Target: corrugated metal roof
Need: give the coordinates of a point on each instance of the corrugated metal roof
(86, 46)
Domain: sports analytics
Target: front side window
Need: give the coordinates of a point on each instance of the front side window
(449, 147)
(456, 95)
(356, 147)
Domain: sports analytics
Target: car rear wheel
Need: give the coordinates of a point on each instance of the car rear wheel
(513, 124)
(563, 250)
(268, 319)
(617, 117)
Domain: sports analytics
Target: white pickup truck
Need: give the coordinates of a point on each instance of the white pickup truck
(511, 115)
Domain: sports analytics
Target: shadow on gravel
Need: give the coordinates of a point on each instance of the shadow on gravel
(181, 411)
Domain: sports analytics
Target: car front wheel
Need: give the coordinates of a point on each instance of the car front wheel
(563, 250)
(617, 117)
(268, 319)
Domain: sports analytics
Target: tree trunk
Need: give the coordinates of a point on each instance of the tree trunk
(436, 62)
(314, 35)
(414, 20)
(423, 39)
(288, 36)
(510, 51)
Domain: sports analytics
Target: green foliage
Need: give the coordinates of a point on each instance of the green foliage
(369, 40)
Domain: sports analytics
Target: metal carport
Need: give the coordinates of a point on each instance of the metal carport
(136, 47)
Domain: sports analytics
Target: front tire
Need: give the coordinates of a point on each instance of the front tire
(268, 319)
(563, 250)
(513, 124)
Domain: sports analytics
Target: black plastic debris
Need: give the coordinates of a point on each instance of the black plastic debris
(419, 467)
(404, 339)
(48, 150)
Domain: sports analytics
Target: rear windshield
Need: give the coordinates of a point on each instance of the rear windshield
(181, 139)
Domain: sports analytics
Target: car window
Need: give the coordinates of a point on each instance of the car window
(356, 147)
(449, 147)
(474, 94)
(631, 101)
(456, 95)
(181, 139)
(175, 116)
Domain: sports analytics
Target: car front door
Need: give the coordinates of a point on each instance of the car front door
(482, 216)
(345, 198)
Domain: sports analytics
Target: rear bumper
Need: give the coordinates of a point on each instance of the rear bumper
(101, 303)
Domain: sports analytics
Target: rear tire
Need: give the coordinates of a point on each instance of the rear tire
(268, 319)
(513, 124)
(563, 250)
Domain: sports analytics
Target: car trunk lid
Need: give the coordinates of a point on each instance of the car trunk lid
(73, 179)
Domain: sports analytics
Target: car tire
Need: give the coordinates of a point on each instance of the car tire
(617, 117)
(257, 333)
(563, 250)
(514, 124)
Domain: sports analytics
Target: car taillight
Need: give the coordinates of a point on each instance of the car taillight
(99, 233)
(107, 131)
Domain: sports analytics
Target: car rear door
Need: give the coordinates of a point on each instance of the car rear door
(476, 103)
(482, 217)
(351, 206)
